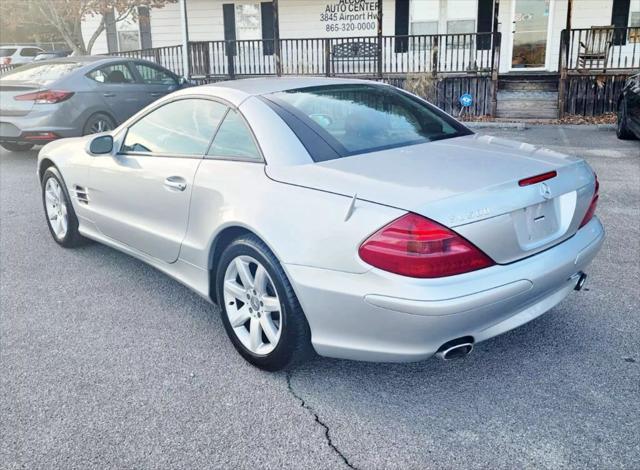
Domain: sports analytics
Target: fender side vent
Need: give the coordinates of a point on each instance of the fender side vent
(82, 196)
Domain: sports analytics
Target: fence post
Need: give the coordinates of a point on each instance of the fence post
(231, 52)
(276, 38)
(434, 56)
(562, 85)
(379, 39)
(495, 72)
(327, 57)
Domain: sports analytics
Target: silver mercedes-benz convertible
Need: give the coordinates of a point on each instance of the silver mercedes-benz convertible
(344, 217)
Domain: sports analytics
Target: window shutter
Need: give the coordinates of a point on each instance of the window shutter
(268, 34)
(485, 23)
(620, 19)
(402, 25)
(229, 19)
(112, 33)
(144, 22)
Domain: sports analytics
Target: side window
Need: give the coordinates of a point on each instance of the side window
(30, 52)
(155, 76)
(115, 73)
(183, 127)
(234, 139)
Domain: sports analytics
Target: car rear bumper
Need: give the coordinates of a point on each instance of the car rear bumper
(46, 119)
(378, 316)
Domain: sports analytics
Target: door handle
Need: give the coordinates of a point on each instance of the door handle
(175, 182)
(108, 95)
(154, 94)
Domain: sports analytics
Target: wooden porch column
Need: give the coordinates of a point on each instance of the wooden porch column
(380, 39)
(276, 38)
(564, 55)
(185, 39)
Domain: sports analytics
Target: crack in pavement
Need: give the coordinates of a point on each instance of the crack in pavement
(327, 436)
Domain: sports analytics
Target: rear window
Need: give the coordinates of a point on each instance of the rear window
(7, 52)
(361, 118)
(41, 72)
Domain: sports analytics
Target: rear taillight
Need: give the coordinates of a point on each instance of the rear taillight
(45, 96)
(592, 207)
(6, 60)
(415, 246)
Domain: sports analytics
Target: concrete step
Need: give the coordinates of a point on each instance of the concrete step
(527, 105)
(528, 114)
(527, 96)
(512, 85)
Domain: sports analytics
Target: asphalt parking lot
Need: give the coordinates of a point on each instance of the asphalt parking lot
(107, 363)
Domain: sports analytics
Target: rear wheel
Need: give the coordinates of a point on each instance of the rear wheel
(97, 123)
(259, 309)
(621, 127)
(16, 146)
(61, 218)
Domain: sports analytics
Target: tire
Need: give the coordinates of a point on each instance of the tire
(68, 236)
(293, 345)
(16, 146)
(99, 122)
(622, 131)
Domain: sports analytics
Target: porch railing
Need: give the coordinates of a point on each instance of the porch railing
(600, 48)
(469, 53)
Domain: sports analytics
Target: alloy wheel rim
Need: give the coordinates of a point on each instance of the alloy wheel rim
(56, 208)
(252, 305)
(101, 125)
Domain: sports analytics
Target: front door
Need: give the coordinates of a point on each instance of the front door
(141, 196)
(530, 34)
(117, 87)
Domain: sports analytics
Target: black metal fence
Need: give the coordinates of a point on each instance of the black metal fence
(372, 56)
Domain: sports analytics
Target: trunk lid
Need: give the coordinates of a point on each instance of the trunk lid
(9, 106)
(467, 183)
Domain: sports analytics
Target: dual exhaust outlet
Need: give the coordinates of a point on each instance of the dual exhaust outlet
(461, 347)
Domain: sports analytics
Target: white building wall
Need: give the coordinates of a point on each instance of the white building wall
(304, 19)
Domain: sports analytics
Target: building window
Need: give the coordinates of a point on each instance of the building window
(128, 40)
(461, 27)
(248, 24)
(128, 33)
(424, 16)
(634, 21)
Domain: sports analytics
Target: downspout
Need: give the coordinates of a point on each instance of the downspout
(185, 40)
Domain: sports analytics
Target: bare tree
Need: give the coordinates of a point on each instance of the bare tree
(66, 16)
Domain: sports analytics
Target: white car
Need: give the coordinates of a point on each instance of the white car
(342, 216)
(16, 55)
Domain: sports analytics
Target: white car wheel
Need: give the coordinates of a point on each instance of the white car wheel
(252, 305)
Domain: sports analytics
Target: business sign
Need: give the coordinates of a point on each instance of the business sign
(350, 16)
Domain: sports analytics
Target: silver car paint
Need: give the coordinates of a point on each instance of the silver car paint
(355, 311)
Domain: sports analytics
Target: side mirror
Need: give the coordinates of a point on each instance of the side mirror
(101, 145)
(184, 81)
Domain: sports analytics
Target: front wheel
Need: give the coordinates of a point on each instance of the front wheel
(61, 218)
(16, 146)
(259, 309)
(621, 127)
(97, 123)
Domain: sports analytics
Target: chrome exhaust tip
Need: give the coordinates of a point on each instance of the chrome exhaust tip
(582, 279)
(455, 349)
